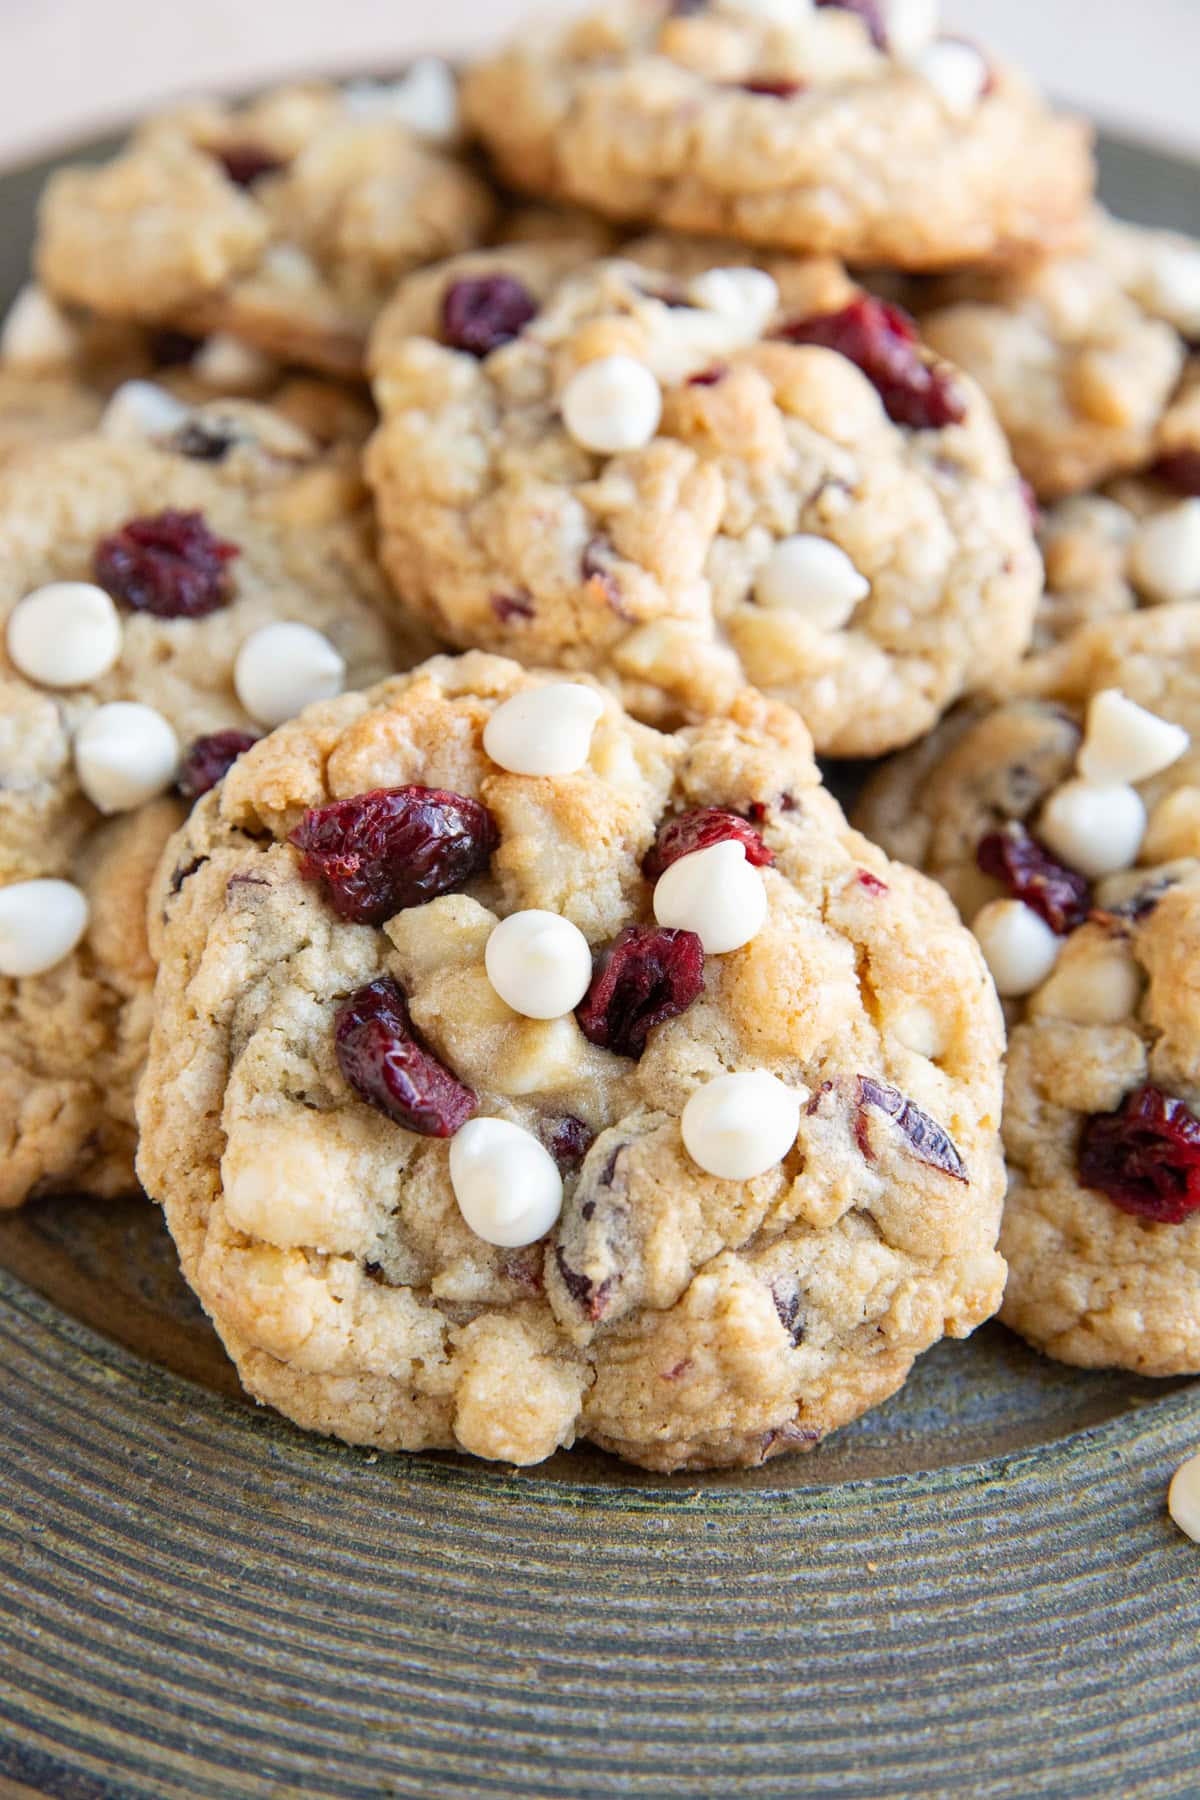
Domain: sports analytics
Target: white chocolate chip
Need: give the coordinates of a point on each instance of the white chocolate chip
(813, 577)
(750, 296)
(65, 634)
(225, 362)
(425, 98)
(788, 13)
(1125, 742)
(1164, 557)
(539, 964)
(920, 1030)
(507, 1186)
(716, 893)
(40, 923)
(125, 754)
(910, 25)
(544, 730)
(738, 1126)
(1099, 985)
(140, 411)
(957, 74)
(1183, 1498)
(290, 266)
(1171, 286)
(283, 668)
(1018, 946)
(612, 404)
(1095, 828)
(36, 334)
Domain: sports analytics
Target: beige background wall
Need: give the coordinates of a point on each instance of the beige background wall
(66, 65)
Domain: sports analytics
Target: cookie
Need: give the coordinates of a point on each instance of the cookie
(442, 1180)
(59, 370)
(152, 595)
(818, 128)
(683, 474)
(1083, 357)
(284, 222)
(1066, 825)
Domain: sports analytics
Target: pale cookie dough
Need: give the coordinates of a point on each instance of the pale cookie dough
(679, 1318)
(1101, 1009)
(284, 222)
(775, 526)
(786, 126)
(1083, 357)
(72, 1037)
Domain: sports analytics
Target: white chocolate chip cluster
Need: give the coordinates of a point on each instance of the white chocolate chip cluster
(596, 1156)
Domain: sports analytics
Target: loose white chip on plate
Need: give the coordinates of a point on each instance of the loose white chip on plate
(507, 1186)
(1183, 1498)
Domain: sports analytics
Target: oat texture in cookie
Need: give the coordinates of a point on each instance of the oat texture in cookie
(152, 594)
(682, 473)
(521, 1074)
(283, 223)
(1085, 357)
(848, 130)
(1065, 822)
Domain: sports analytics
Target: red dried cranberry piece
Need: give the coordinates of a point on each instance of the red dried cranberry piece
(508, 607)
(389, 1067)
(210, 759)
(170, 565)
(871, 882)
(247, 163)
(484, 311)
(708, 377)
(568, 1140)
(646, 975)
(699, 830)
(1057, 894)
(1180, 469)
(882, 341)
(774, 90)
(1145, 1157)
(870, 14)
(930, 1143)
(380, 852)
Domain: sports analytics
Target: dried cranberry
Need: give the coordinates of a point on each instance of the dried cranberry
(1145, 1156)
(930, 1143)
(1180, 469)
(210, 759)
(1057, 894)
(708, 377)
(871, 882)
(591, 1297)
(1029, 501)
(387, 1065)
(774, 90)
(170, 565)
(172, 349)
(882, 341)
(247, 163)
(870, 14)
(646, 975)
(568, 1140)
(395, 847)
(699, 830)
(508, 607)
(484, 311)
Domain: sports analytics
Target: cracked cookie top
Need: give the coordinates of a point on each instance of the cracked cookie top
(852, 130)
(521, 1073)
(682, 473)
(284, 222)
(1065, 822)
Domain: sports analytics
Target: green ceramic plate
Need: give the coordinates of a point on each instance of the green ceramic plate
(975, 1591)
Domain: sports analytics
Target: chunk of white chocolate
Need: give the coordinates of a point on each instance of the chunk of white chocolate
(737, 1126)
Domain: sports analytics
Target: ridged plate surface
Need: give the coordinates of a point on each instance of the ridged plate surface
(974, 1592)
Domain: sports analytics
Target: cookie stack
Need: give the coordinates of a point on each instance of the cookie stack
(442, 523)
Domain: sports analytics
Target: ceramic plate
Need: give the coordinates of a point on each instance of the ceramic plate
(975, 1591)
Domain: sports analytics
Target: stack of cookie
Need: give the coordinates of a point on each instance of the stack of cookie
(520, 1042)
